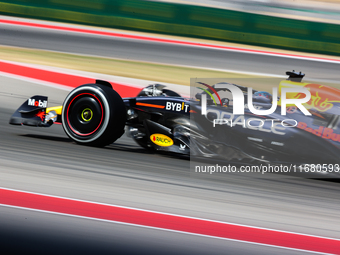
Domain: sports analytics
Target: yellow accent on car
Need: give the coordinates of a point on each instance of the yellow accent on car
(161, 140)
(57, 109)
(290, 95)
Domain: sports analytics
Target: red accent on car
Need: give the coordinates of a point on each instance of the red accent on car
(101, 119)
(41, 115)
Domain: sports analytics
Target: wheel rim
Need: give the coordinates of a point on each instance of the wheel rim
(85, 114)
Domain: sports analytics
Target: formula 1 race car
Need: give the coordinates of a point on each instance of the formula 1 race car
(160, 119)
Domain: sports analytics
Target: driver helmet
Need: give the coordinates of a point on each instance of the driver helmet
(263, 94)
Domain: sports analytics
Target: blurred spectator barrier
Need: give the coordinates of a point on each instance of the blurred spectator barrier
(185, 20)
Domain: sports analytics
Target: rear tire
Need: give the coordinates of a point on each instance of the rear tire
(94, 114)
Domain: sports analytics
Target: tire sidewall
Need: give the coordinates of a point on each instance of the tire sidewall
(100, 94)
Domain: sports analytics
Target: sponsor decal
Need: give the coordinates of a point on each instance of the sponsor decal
(182, 147)
(161, 140)
(322, 97)
(255, 139)
(277, 143)
(41, 115)
(39, 103)
(324, 132)
(176, 107)
(291, 109)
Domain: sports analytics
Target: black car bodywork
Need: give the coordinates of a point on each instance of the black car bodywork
(160, 119)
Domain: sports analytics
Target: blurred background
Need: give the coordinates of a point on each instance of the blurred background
(287, 27)
(304, 25)
(328, 10)
(135, 42)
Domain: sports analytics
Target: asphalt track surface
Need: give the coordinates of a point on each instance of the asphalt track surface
(44, 160)
(166, 53)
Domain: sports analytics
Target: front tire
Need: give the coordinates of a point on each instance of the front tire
(94, 114)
